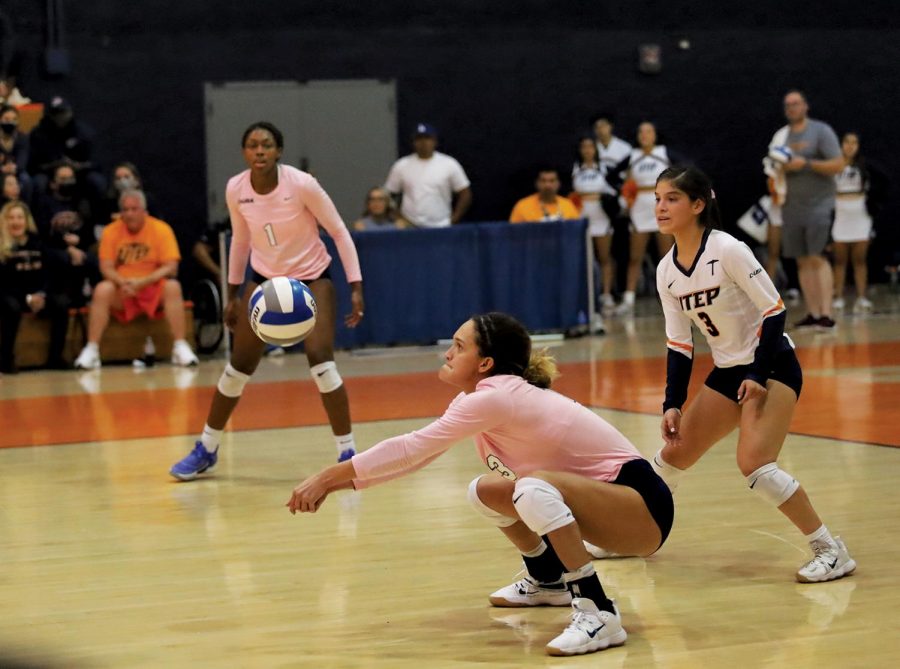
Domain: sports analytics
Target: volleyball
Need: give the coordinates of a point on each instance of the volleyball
(781, 154)
(282, 311)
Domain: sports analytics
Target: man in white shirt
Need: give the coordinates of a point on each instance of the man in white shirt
(426, 181)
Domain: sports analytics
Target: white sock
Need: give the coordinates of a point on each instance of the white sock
(822, 534)
(628, 297)
(180, 341)
(582, 572)
(343, 442)
(671, 475)
(537, 551)
(210, 438)
(91, 346)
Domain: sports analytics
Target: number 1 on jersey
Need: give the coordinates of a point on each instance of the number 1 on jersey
(270, 234)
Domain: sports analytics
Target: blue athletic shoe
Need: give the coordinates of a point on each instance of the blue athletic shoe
(197, 461)
(346, 454)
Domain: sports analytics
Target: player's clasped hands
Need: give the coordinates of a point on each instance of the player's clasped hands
(308, 496)
(750, 390)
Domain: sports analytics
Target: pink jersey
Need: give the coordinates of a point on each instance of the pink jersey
(281, 228)
(518, 429)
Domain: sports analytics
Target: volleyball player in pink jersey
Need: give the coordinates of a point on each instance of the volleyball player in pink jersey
(275, 212)
(559, 472)
(712, 280)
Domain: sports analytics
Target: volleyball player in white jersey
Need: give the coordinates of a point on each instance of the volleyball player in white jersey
(644, 165)
(275, 213)
(714, 281)
(852, 227)
(590, 184)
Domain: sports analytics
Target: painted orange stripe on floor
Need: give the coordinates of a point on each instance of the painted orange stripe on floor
(831, 406)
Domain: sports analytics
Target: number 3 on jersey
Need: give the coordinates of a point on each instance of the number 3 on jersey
(493, 462)
(707, 321)
(270, 234)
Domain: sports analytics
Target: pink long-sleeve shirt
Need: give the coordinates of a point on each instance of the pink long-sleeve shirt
(279, 231)
(518, 429)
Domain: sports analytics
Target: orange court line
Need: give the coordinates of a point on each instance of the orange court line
(830, 406)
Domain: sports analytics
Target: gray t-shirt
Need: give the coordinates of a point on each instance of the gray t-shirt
(809, 192)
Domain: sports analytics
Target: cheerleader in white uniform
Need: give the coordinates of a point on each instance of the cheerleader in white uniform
(645, 164)
(852, 225)
(590, 185)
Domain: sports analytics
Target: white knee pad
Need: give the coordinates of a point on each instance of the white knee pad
(540, 505)
(326, 376)
(494, 517)
(773, 484)
(232, 382)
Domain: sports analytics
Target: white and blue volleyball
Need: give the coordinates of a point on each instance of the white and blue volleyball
(282, 311)
(781, 154)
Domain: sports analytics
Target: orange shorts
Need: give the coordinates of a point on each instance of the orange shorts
(147, 301)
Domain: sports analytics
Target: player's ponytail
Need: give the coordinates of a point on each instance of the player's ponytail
(541, 370)
(697, 186)
(505, 339)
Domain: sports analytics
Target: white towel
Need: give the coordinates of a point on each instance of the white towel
(775, 171)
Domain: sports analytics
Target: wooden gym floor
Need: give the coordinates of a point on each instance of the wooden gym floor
(107, 562)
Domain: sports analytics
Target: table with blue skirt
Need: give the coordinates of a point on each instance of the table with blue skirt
(420, 285)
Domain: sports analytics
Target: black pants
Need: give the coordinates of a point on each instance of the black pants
(11, 309)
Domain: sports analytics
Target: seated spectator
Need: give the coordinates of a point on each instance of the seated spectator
(139, 261)
(64, 218)
(206, 252)
(546, 204)
(61, 138)
(10, 190)
(14, 149)
(380, 213)
(25, 286)
(125, 176)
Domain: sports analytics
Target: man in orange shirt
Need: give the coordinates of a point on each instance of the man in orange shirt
(139, 261)
(546, 204)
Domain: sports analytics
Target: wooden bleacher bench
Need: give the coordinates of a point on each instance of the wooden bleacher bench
(121, 341)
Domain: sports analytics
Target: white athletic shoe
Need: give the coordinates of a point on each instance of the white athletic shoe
(862, 305)
(529, 592)
(89, 358)
(837, 303)
(597, 326)
(600, 553)
(607, 305)
(183, 356)
(590, 630)
(625, 309)
(830, 562)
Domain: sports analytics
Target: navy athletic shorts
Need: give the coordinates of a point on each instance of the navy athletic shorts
(639, 474)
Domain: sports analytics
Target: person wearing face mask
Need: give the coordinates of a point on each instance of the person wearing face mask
(61, 137)
(125, 176)
(14, 150)
(64, 217)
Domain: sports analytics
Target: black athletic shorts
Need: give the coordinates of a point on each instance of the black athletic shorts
(785, 369)
(258, 278)
(639, 474)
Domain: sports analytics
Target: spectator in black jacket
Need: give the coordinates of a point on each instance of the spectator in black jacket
(25, 286)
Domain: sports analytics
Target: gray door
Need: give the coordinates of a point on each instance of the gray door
(344, 132)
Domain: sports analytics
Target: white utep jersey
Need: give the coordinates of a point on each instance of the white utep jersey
(850, 181)
(726, 293)
(590, 179)
(644, 168)
(610, 156)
